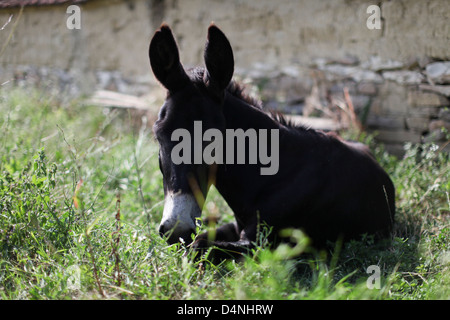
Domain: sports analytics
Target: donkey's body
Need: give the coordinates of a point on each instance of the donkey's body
(328, 187)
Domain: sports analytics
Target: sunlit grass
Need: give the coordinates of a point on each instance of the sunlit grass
(68, 172)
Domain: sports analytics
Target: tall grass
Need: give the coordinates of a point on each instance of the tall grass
(81, 198)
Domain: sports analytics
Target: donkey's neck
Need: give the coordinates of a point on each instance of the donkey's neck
(236, 182)
(240, 114)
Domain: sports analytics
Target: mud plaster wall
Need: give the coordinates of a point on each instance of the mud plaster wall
(293, 52)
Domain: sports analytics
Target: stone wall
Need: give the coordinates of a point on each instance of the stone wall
(400, 102)
(300, 56)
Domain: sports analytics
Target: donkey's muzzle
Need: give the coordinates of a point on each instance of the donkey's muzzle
(173, 235)
(179, 215)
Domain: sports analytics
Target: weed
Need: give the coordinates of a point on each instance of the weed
(81, 198)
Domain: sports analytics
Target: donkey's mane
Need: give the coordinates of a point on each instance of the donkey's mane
(234, 88)
(238, 90)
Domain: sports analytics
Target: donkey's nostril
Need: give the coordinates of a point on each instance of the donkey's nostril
(174, 235)
(162, 230)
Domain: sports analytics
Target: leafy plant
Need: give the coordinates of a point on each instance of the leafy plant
(65, 235)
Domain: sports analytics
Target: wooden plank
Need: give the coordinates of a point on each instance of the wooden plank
(315, 123)
(114, 99)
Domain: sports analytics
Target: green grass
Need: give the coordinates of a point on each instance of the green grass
(81, 198)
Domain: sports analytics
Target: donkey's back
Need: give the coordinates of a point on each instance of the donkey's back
(335, 188)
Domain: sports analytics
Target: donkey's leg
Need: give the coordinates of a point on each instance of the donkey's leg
(228, 232)
(222, 250)
(228, 244)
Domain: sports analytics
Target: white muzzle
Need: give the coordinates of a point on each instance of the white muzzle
(179, 215)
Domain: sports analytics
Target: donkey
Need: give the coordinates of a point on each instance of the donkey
(325, 186)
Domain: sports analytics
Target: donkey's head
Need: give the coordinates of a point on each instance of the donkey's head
(193, 96)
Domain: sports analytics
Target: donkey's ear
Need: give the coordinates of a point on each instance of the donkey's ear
(165, 60)
(219, 60)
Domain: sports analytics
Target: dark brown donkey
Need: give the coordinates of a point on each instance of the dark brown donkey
(321, 184)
